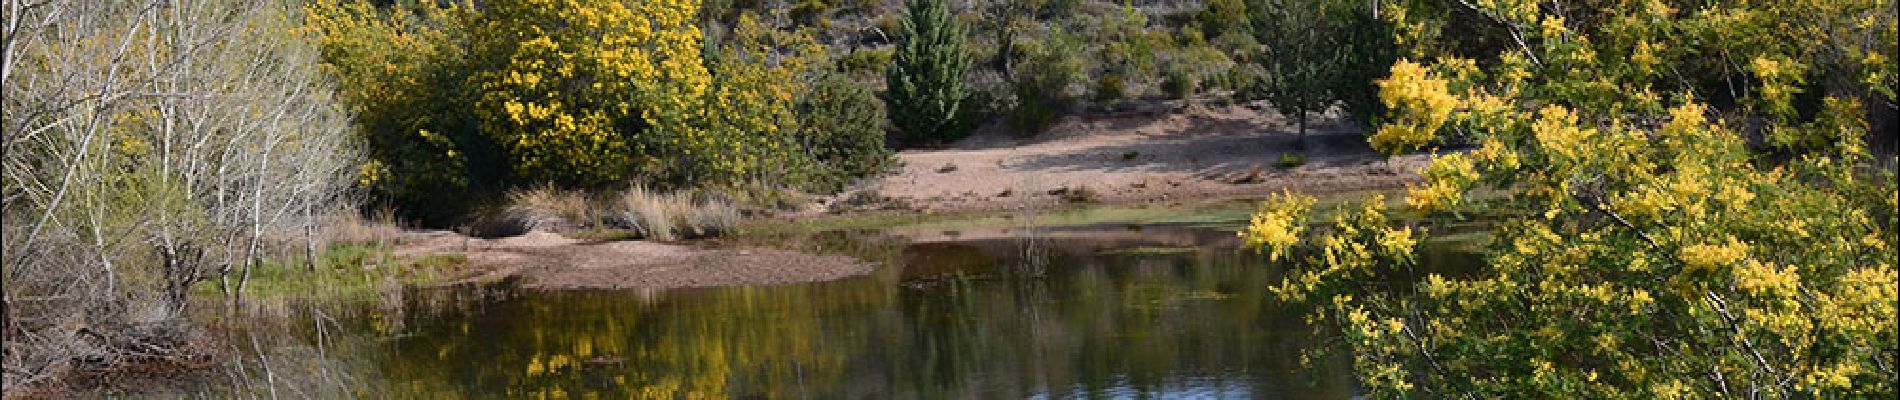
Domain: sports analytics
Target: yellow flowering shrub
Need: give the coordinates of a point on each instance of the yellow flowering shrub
(1643, 249)
(581, 90)
(573, 93)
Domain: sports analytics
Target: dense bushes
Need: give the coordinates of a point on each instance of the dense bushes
(596, 94)
(402, 74)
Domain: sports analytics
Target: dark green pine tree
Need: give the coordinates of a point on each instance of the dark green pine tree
(926, 96)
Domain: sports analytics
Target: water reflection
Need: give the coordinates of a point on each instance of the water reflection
(1162, 311)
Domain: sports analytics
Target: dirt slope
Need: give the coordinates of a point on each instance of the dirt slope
(1182, 153)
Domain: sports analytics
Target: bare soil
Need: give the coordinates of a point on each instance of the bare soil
(549, 261)
(1169, 154)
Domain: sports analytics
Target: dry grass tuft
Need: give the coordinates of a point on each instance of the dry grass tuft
(669, 216)
(649, 214)
(549, 209)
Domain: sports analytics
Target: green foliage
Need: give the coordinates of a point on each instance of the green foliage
(1290, 160)
(1319, 53)
(1110, 87)
(752, 120)
(401, 73)
(346, 272)
(1651, 254)
(812, 12)
(842, 127)
(926, 94)
(1179, 83)
(1224, 17)
(1044, 80)
(865, 61)
(588, 94)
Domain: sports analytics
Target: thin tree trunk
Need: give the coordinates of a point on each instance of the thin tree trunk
(1301, 146)
(309, 238)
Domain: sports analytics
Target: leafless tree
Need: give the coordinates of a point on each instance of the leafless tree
(149, 144)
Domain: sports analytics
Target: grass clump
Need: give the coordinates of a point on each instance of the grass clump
(550, 209)
(635, 213)
(1290, 160)
(668, 216)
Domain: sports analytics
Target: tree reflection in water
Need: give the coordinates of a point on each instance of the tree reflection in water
(1160, 311)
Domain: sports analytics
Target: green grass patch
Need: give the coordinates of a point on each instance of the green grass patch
(344, 271)
(1290, 160)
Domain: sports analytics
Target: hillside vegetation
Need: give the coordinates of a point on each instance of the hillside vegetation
(1721, 170)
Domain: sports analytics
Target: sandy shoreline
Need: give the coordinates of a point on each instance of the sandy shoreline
(549, 261)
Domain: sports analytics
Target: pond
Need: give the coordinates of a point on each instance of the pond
(1146, 310)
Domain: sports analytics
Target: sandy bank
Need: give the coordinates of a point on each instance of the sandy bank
(1192, 152)
(548, 261)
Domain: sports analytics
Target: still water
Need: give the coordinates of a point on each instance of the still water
(1094, 311)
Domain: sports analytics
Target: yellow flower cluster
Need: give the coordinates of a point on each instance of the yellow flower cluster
(1781, 79)
(1420, 103)
(1763, 279)
(1446, 180)
(1277, 226)
(1712, 256)
(1558, 134)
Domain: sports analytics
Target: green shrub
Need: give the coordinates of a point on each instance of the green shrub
(842, 127)
(1109, 87)
(1179, 83)
(865, 61)
(1033, 116)
(811, 12)
(1043, 82)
